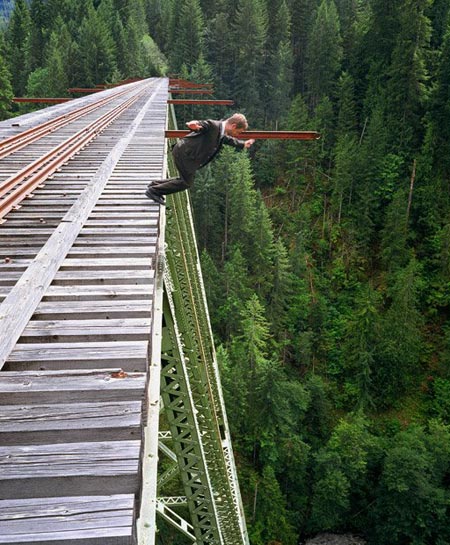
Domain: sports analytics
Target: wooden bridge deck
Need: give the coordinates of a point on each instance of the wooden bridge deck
(77, 286)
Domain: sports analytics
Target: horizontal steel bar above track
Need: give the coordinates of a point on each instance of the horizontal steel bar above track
(281, 135)
(84, 90)
(200, 102)
(49, 100)
(189, 84)
(193, 91)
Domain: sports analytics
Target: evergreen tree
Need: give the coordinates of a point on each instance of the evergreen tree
(220, 52)
(38, 33)
(6, 93)
(340, 475)
(302, 16)
(324, 53)
(57, 61)
(361, 348)
(271, 520)
(250, 33)
(18, 43)
(188, 39)
(407, 76)
(97, 49)
(411, 504)
(346, 146)
(401, 343)
(279, 59)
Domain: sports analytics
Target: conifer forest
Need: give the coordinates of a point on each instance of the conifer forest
(326, 263)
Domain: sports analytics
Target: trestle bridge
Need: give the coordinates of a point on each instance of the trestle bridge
(109, 388)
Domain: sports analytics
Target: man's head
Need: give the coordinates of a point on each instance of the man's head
(235, 125)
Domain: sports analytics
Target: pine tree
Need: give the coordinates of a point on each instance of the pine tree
(279, 59)
(38, 33)
(302, 16)
(361, 348)
(6, 93)
(407, 76)
(250, 33)
(324, 53)
(188, 40)
(97, 49)
(346, 147)
(18, 43)
(220, 51)
(57, 61)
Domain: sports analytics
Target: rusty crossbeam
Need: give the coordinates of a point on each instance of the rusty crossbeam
(188, 84)
(281, 135)
(192, 91)
(83, 90)
(49, 100)
(201, 102)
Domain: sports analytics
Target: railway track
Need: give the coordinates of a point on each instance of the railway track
(78, 255)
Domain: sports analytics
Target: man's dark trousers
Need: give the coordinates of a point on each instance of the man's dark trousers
(184, 181)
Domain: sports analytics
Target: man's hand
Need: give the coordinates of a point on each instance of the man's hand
(249, 143)
(194, 125)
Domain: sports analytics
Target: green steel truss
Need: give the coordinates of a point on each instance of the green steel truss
(192, 399)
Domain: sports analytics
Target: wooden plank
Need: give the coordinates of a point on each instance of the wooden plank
(104, 263)
(93, 520)
(70, 423)
(125, 292)
(36, 471)
(27, 387)
(101, 276)
(129, 355)
(89, 330)
(93, 309)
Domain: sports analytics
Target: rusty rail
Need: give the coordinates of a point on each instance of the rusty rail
(18, 141)
(20, 186)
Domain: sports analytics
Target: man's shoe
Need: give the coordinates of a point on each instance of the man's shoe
(152, 195)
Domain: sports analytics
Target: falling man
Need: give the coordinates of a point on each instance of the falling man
(196, 150)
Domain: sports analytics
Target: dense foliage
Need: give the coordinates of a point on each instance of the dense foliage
(327, 264)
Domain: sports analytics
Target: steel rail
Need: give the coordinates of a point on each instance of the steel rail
(18, 141)
(39, 170)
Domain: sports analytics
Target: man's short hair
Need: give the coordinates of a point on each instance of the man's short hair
(239, 120)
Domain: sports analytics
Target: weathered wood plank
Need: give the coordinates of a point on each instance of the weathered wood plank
(70, 423)
(102, 330)
(104, 263)
(93, 520)
(115, 308)
(129, 355)
(36, 471)
(82, 292)
(100, 276)
(114, 385)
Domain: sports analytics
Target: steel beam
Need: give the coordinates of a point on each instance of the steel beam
(48, 100)
(83, 90)
(174, 82)
(263, 135)
(200, 102)
(192, 91)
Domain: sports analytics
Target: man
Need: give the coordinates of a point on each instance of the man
(196, 150)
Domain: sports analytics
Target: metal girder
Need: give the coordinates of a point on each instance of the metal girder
(279, 135)
(175, 520)
(204, 102)
(192, 91)
(192, 397)
(181, 414)
(177, 82)
(48, 100)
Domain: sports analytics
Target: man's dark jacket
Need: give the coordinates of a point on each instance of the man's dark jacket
(199, 147)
